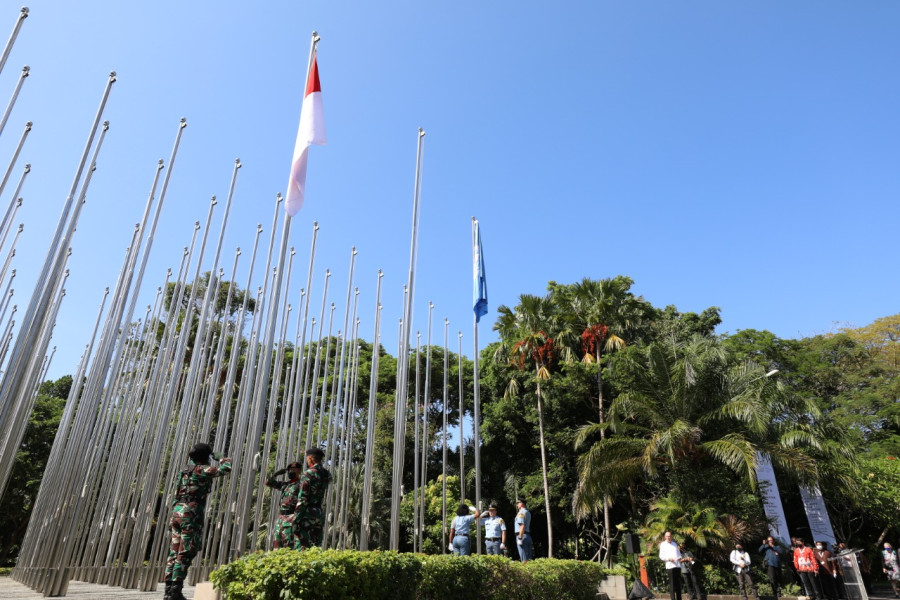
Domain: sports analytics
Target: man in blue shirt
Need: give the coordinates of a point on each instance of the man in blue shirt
(494, 531)
(523, 531)
(772, 552)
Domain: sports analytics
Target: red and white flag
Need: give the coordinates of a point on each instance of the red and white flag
(311, 131)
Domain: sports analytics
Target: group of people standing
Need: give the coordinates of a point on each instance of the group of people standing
(301, 518)
(494, 530)
(818, 570)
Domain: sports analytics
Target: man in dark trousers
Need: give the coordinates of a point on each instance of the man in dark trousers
(671, 557)
(688, 562)
(772, 552)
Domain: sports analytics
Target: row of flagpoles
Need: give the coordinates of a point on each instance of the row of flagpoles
(134, 410)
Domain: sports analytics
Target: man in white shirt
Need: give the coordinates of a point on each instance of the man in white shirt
(671, 556)
(740, 562)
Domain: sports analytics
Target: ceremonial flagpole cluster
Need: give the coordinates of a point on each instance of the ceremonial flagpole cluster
(209, 361)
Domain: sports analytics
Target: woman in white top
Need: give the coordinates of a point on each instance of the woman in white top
(459, 530)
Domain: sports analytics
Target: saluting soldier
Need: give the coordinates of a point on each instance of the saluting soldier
(290, 492)
(309, 516)
(188, 508)
(494, 531)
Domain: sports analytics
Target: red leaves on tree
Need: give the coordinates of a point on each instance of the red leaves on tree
(592, 337)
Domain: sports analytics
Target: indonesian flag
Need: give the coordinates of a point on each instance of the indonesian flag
(311, 131)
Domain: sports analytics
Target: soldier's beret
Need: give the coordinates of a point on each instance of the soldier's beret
(295, 465)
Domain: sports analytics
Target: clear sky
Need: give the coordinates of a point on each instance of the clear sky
(738, 154)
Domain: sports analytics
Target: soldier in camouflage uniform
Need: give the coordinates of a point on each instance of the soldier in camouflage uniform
(309, 518)
(290, 490)
(188, 507)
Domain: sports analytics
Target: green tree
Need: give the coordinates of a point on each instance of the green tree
(31, 460)
(684, 408)
(525, 342)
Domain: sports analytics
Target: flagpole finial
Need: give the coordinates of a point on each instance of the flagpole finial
(213, 200)
(237, 163)
(112, 76)
(26, 70)
(421, 132)
(159, 164)
(278, 197)
(183, 123)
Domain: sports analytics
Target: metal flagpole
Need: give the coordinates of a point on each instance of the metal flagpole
(400, 412)
(425, 431)
(476, 418)
(416, 476)
(23, 14)
(366, 508)
(311, 393)
(15, 95)
(462, 412)
(444, 440)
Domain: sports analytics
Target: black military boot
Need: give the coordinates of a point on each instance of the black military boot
(175, 591)
(168, 594)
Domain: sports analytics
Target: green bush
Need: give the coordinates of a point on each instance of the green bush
(352, 575)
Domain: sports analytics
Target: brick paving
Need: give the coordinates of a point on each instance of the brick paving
(79, 590)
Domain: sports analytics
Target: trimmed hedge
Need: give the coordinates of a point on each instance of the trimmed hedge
(351, 575)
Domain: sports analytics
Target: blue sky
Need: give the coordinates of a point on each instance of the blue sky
(743, 155)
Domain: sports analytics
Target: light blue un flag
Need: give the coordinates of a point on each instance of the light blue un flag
(479, 283)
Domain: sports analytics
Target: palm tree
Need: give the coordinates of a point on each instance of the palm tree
(686, 405)
(526, 344)
(599, 316)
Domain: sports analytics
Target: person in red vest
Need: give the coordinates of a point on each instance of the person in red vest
(808, 569)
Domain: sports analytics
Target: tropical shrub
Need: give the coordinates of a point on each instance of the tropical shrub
(330, 574)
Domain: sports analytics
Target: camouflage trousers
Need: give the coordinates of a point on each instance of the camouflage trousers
(284, 532)
(186, 538)
(308, 528)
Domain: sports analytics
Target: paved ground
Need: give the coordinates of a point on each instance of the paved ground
(13, 590)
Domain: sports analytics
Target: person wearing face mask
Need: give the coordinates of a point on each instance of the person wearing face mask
(740, 562)
(283, 533)
(827, 571)
(890, 564)
(807, 569)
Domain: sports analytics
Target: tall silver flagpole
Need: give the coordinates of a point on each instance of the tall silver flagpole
(366, 509)
(23, 14)
(15, 95)
(310, 392)
(416, 474)
(426, 406)
(462, 432)
(476, 419)
(444, 439)
(400, 413)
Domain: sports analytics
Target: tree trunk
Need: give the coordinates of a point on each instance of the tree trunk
(607, 544)
(540, 407)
